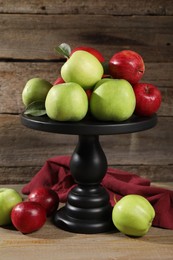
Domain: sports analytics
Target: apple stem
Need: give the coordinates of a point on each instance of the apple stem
(115, 199)
(147, 89)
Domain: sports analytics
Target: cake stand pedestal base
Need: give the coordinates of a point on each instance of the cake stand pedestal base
(87, 209)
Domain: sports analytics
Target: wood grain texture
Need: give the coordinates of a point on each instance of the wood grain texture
(53, 243)
(23, 151)
(37, 35)
(111, 7)
(32, 147)
(29, 32)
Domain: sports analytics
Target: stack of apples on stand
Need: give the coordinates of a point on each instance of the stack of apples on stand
(87, 84)
(110, 92)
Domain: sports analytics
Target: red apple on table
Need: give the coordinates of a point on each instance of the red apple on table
(28, 216)
(148, 99)
(127, 65)
(46, 197)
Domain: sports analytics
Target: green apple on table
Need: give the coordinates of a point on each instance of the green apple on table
(36, 89)
(133, 215)
(112, 100)
(8, 199)
(66, 102)
(82, 68)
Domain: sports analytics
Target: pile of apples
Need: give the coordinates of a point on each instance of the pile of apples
(30, 214)
(87, 84)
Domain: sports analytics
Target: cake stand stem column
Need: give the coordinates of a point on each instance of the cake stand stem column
(88, 163)
(87, 209)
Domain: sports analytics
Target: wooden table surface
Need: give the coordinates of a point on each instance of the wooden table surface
(52, 243)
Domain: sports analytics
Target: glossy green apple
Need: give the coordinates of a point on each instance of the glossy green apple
(114, 100)
(82, 68)
(36, 89)
(66, 102)
(8, 199)
(133, 215)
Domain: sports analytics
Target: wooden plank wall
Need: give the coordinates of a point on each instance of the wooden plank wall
(29, 32)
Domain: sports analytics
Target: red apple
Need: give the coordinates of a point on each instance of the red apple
(88, 92)
(46, 197)
(91, 50)
(59, 80)
(28, 216)
(127, 65)
(148, 99)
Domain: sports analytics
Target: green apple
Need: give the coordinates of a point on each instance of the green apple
(133, 215)
(8, 199)
(114, 100)
(82, 68)
(36, 89)
(100, 82)
(66, 102)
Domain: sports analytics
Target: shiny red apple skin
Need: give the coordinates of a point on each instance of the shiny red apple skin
(46, 197)
(127, 65)
(91, 50)
(148, 99)
(28, 216)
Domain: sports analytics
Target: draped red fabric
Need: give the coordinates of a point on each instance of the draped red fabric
(55, 174)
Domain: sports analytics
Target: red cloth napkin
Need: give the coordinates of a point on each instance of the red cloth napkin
(55, 174)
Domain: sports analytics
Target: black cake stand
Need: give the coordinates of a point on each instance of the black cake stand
(88, 209)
